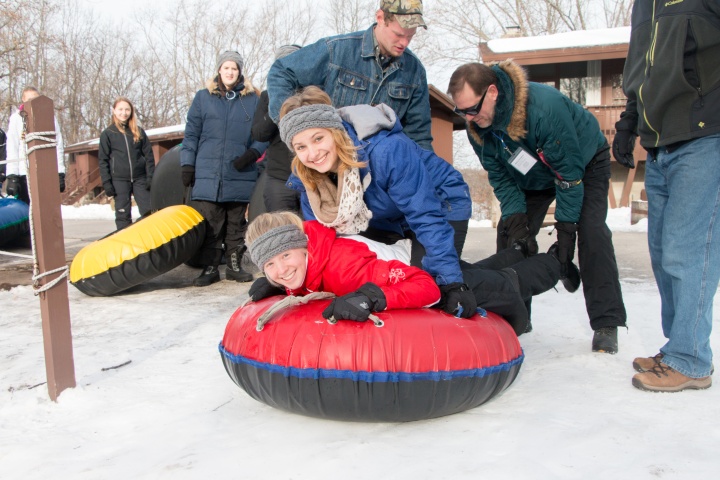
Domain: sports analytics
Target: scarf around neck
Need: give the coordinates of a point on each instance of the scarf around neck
(341, 207)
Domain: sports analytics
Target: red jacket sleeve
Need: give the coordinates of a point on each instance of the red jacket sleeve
(405, 286)
(350, 264)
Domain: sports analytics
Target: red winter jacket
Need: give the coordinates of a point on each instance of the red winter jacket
(341, 265)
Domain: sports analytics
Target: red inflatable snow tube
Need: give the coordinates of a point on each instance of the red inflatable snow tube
(420, 364)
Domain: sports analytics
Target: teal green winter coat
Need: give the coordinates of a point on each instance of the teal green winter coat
(536, 118)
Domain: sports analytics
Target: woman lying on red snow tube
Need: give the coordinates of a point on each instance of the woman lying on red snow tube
(421, 363)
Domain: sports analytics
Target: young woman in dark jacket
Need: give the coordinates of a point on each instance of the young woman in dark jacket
(276, 195)
(126, 163)
(218, 159)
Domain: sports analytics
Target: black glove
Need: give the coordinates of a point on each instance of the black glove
(624, 144)
(13, 185)
(109, 189)
(262, 288)
(62, 182)
(250, 156)
(566, 235)
(148, 182)
(357, 305)
(188, 175)
(517, 232)
(457, 295)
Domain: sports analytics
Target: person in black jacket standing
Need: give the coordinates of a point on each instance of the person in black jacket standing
(276, 195)
(672, 83)
(126, 162)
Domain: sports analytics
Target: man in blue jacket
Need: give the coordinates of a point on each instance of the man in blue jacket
(537, 146)
(370, 67)
(672, 83)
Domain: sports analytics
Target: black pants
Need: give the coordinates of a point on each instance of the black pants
(503, 283)
(123, 203)
(278, 196)
(596, 253)
(226, 225)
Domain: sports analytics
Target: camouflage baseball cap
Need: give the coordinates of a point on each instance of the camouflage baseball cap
(408, 13)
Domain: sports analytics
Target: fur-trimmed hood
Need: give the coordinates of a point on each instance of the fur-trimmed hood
(511, 104)
(212, 87)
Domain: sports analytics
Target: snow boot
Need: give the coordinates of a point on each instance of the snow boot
(209, 275)
(234, 270)
(605, 340)
(663, 378)
(643, 364)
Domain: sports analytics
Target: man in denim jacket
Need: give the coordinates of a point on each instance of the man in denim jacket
(369, 67)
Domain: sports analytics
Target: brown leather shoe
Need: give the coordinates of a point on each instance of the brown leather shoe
(662, 378)
(643, 364)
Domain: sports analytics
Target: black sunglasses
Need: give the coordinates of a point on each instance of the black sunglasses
(474, 110)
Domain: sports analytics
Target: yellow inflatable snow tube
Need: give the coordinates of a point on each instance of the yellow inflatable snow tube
(147, 248)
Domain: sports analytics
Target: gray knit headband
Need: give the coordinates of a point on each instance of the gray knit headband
(308, 116)
(274, 242)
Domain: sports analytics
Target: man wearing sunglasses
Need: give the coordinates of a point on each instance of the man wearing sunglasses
(537, 146)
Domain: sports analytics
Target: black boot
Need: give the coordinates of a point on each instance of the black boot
(209, 275)
(234, 271)
(569, 273)
(605, 340)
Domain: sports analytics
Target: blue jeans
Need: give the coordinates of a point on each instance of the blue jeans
(683, 190)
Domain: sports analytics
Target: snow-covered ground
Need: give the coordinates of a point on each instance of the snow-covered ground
(174, 413)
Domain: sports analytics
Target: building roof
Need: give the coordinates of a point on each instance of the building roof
(154, 135)
(578, 45)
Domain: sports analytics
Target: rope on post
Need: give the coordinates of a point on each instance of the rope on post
(37, 275)
(49, 143)
(42, 137)
(35, 278)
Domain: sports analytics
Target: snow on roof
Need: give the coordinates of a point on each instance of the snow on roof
(164, 130)
(580, 38)
(153, 132)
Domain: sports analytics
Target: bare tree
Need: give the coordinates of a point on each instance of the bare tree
(273, 26)
(617, 12)
(463, 24)
(12, 43)
(28, 41)
(96, 63)
(83, 62)
(352, 15)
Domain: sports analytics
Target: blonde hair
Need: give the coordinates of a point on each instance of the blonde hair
(265, 222)
(131, 121)
(346, 149)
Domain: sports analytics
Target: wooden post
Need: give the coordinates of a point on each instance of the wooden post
(50, 248)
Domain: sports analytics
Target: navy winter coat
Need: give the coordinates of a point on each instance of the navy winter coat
(217, 131)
